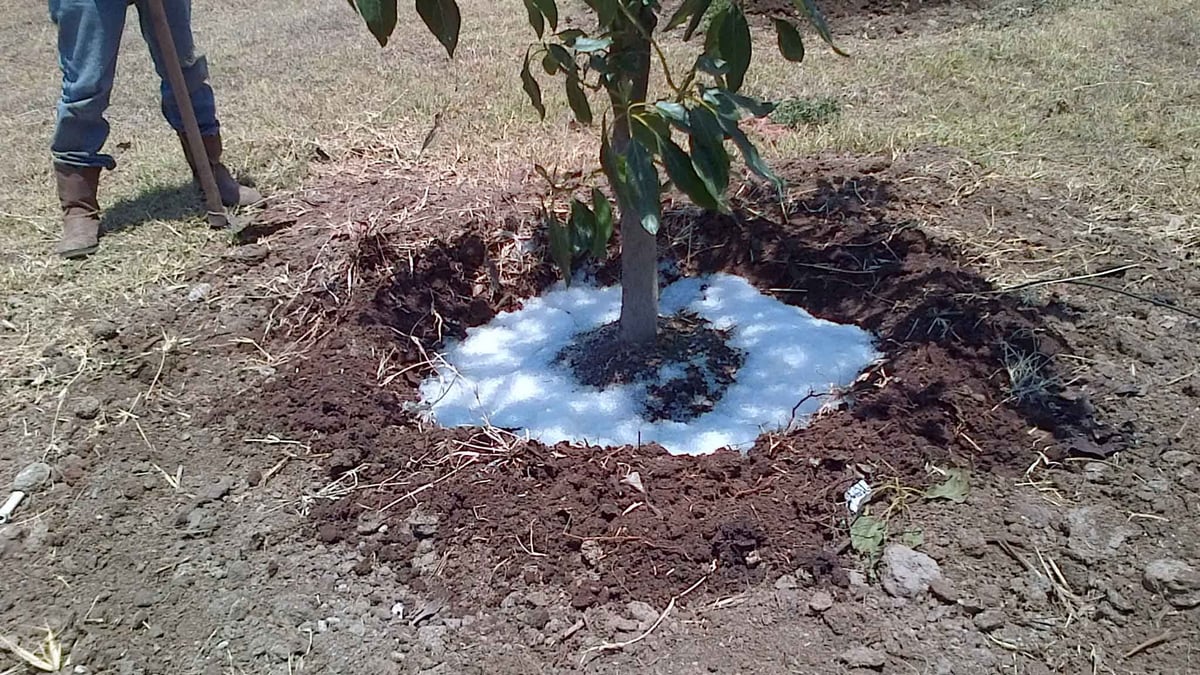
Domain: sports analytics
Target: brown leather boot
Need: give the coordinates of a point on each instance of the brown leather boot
(77, 188)
(232, 192)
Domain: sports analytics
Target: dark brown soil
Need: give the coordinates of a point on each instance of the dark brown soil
(848, 252)
(706, 363)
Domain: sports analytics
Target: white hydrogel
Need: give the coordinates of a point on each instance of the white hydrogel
(502, 373)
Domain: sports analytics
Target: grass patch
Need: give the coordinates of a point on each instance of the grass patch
(807, 112)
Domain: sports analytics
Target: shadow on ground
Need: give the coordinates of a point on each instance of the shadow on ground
(165, 202)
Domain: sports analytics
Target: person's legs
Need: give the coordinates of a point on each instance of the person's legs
(89, 36)
(194, 63)
(195, 74)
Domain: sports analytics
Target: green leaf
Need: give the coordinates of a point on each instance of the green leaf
(548, 9)
(583, 227)
(790, 44)
(536, 20)
(749, 152)
(604, 223)
(443, 20)
(866, 536)
(712, 65)
(643, 186)
(585, 45)
(955, 488)
(565, 61)
(560, 245)
(913, 538)
(707, 143)
(753, 106)
(674, 112)
(729, 104)
(695, 22)
(712, 36)
(724, 105)
(736, 47)
(683, 174)
(380, 16)
(549, 64)
(531, 87)
(688, 10)
(606, 10)
(578, 100)
(570, 35)
(649, 129)
(817, 19)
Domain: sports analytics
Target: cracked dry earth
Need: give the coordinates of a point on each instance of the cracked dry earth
(238, 483)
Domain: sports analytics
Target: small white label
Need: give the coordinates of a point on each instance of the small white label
(858, 493)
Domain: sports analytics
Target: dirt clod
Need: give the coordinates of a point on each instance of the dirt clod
(907, 573)
(860, 656)
(32, 477)
(86, 407)
(820, 601)
(1175, 580)
(989, 620)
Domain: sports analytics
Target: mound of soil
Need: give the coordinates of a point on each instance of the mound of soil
(705, 362)
(635, 522)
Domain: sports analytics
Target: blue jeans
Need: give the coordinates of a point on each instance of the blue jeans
(89, 35)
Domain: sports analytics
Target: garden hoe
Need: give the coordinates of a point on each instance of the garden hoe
(218, 218)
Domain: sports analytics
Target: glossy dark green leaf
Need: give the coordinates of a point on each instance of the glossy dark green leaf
(753, 106)
(722, 104)
(817, 19)
(736, 47)
(583, 227)
(707, 143)
(649, 128)
(749, 152)
(673, 112)
(712, 65)
(585, 45)
(712, 35)
(443, 20)
(607, 11)
(570, 35)
(536, 20)
(549, 10)
(729, 104)
(578, 100)
(532, 88)
(687, 10)
(683, 174)
(790, 44)
(604, 223)
(695, 22)
(642, 184)
(563, 57)
(560, 246)
(549, 64)
(380, 16)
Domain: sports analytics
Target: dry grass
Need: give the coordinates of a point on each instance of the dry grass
(1097, 100)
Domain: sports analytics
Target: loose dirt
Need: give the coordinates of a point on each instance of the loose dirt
(942, 394)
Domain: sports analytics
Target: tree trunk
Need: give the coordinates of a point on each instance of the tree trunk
(639, 248)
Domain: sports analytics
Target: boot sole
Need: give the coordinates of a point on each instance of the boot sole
(76, 253)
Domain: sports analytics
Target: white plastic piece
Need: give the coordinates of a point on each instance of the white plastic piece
(10, 505)
(857, 495)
